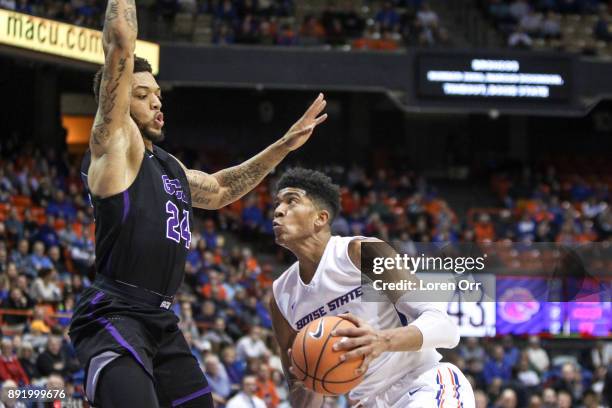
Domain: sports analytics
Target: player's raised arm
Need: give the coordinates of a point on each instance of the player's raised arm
(118, 40)
(213, 191)
(299, 397)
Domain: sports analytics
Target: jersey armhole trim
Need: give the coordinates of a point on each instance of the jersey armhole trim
(346, 251)
(281, 312)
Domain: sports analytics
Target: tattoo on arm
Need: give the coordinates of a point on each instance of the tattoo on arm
(202, 190)
(130, 16)
(108, 96)
(113, 11)
(240, 180)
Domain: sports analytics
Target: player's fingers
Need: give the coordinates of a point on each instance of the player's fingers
(318, 108)
(313, 105)
(321, 119)
(349, 332)
(364, 365)
(289, 353)
(356, 353)
(349, 344)
(303, 131)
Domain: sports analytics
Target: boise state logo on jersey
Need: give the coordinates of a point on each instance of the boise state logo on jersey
(173, 187)
(518, 305)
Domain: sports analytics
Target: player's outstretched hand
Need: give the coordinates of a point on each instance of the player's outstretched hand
(360, 341)
(301, 130)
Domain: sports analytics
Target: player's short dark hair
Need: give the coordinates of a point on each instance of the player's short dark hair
(140, 65)
(317, 185)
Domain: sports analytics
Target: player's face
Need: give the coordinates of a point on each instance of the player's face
(145, 107)
(294, 216)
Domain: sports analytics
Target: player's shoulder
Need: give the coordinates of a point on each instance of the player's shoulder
(286, 278)
(352, 244)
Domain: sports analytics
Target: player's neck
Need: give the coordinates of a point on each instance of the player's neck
(309, 254)
(148, 144)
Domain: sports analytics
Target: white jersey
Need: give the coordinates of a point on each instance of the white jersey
(335, 289)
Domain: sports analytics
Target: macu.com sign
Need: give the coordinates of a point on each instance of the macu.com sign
(66, 40)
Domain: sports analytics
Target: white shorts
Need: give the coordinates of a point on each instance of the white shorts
(443, 386)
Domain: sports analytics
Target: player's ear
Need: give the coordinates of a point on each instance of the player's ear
(322, 218)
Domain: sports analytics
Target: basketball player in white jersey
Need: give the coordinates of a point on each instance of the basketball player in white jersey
(402, 367)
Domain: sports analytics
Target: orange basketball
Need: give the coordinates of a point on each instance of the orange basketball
(315, 362)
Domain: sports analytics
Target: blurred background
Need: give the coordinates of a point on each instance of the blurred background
(464, 121)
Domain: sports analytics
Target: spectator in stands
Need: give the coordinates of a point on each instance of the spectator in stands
(507, 399)
(45, 288)
(187, 322)
(47, 233)
(38, 260)
(217, 377)
(223, 34)
(471, 349)
(551, 27)
(520, 39)
(19, 256)
(67, 308)
(312, 31)
(208, 314)
(56, 262)
(591, 399)
(497, 366)
(569, 382)
(511, 352)
(538, 357)
(60, 206)
(53, 360)
(549, 398)
(10, 367)
(531, 23)
(214, 285)
(564, 399)
(266, 389)
(252, 345)
(247, 397)
(387, 18)
(226, 11)
(195, 350)
(248, 30)
(210, 235)
(18, 300)
(519, 9)
(25, 353)
(5, 401)
(601, 354)
(235, 368)
(481, 399)
(217, 335)
(14, 227)
(525, 374)
(484, 230)
(427, 18)
(286, 36)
